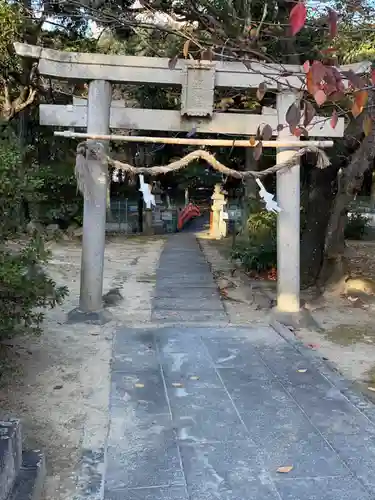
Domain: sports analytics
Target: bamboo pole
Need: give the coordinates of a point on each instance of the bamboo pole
(195, 142)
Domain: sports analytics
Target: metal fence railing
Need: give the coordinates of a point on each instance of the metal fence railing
(362, 204)
(123, 216)
(166, 219)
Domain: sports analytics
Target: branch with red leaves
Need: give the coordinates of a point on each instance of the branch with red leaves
(322, 81)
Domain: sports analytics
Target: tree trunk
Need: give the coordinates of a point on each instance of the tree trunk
(251, 188)
(108, 202)
(251, 198)
(324, 261)
(24, 138)
(373, 189)
(335, 268)
(319, 204)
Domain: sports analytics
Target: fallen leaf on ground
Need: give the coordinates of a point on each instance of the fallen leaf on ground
(285, 469)
(139, 386)
(313, 346)
(302, 370)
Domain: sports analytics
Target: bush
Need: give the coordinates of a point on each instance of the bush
(257, 258)
(24, 286)
(357, 226)
(262, 226)
(59, 202)
(258, 251)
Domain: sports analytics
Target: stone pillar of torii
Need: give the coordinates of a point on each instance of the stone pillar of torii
(198, 80)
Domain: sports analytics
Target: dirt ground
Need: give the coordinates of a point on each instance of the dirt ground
(59, 384)
(51, 386)
(346, 327)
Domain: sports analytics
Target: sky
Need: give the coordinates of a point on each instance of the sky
(94, 30)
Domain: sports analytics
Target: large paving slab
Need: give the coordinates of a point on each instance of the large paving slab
(193, 304)
(185, 289)
(194, 292)
(211, 413)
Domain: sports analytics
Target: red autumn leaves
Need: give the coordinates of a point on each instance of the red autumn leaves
(325, 83)
(298, 16)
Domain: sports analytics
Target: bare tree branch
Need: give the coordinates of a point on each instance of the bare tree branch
(25, 98)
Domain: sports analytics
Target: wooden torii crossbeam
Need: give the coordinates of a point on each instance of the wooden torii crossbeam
(197, 81)
(220, 143)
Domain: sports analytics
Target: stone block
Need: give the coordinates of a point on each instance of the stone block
(30, 479)
(10, 455)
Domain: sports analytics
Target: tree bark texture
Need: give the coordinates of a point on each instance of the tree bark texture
(319, 200)
(349, 184)
(323, 244)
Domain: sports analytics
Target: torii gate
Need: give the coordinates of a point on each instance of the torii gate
(197, 80)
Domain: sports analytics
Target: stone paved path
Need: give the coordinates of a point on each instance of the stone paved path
(211, 412)
(185, 288)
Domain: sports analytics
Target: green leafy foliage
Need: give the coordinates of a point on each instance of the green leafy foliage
(24, 285)
(10, 29)
(357, 226)
(262, 226)
(16, 186)
(60, 202)
(258, 252)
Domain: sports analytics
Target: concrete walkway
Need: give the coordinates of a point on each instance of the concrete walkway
(212, 412)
